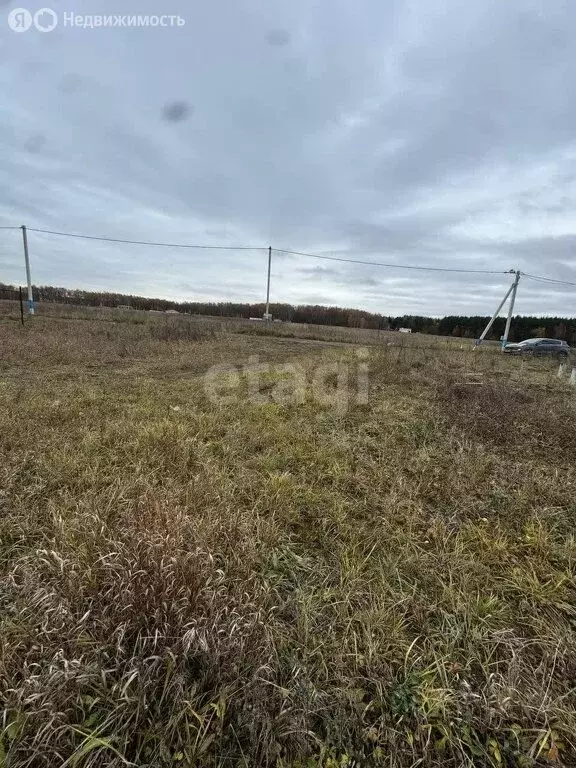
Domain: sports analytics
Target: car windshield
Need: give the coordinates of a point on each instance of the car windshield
(529, 341)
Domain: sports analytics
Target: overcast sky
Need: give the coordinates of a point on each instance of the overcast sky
(426, 132)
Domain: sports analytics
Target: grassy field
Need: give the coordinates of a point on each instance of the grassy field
(185, 581)
(239, 325)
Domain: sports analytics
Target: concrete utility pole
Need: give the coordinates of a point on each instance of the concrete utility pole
(28, 278)
(267, 315)
(511, 309)
(495, 315)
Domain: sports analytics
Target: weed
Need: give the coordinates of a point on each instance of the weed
(183, 583)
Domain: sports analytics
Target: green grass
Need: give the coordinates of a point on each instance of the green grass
(184, 583)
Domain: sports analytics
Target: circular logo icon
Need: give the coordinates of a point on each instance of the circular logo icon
(45, 20)
(19, 20)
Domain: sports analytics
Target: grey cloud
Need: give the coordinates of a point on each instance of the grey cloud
(320, 272)
(318, 299)
(370, 282)
(437, 133)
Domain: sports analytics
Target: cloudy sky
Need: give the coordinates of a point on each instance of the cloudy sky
(421, 132)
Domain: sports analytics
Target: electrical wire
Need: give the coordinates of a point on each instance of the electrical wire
(278, 250)
(145, 242)
(396, 266)
(541, 279)
(340, 259)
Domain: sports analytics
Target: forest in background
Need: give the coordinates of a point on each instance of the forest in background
(469, 327)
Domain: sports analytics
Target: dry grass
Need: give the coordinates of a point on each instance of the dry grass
(190, 584)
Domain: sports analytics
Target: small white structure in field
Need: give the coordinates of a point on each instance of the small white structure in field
(405, 330)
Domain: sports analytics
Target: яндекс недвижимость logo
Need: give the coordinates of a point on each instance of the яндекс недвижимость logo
(21, 20)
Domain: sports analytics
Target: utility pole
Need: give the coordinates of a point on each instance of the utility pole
(28, 278)
(495, 315)
(267, 315)
(511, 309)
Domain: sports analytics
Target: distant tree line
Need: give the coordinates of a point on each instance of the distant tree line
(454, 325)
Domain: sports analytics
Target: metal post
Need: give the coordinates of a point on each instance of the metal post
(28, 278)
(21, 304)
(511, 309)
(267, 313)
(495, 315)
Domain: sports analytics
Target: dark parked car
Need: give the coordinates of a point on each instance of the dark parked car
(553, 347)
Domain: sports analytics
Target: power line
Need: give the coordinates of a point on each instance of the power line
(397, 266)
(340, 259)
(541, 279)
(254, 248)
(145, 242)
